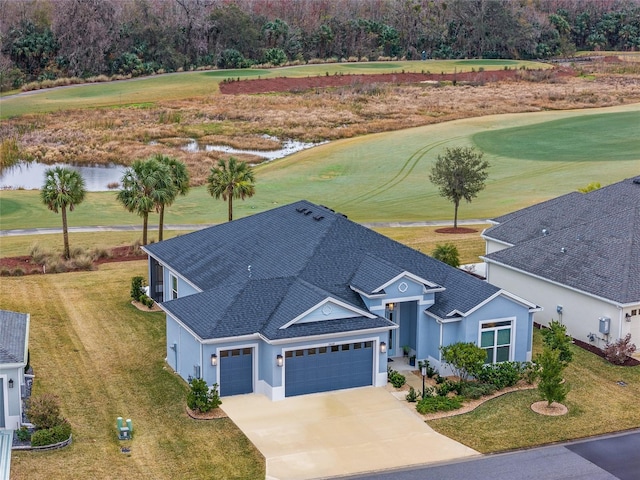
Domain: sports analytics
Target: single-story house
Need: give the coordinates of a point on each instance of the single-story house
(14, 335)
(299, 299)
(577, 256)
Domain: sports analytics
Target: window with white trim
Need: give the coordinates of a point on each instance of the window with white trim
(174, 287)
(496, 338)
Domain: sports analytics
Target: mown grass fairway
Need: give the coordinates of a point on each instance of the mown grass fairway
(591, 138)
(384, 177)
(105, 359)
(597, 405)
(176, 86)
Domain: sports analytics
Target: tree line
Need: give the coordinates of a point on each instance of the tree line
(49, 39)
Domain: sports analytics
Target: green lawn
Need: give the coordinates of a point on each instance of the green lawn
(103, 358)
(384, 177)
(177, 86)
(597, 405)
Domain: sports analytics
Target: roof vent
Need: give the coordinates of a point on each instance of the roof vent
(545, 232)
(563, 250)
(636, 180)
(301, 210)
(317, 218)
(308, 212)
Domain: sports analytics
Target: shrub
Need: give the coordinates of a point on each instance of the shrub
(5, 272)
(555, 337)
(531, 372)
(137, 284)
(49, 436)
(44, 411)
(447, 253)
(17, 272)
(23, 434)
(465, 359)
(438, 404)
(473, 391)
(82, 262)
(447, 386)
(200, 398)
(412, 396)
(396, 379)
(501, 375)
(618, 351)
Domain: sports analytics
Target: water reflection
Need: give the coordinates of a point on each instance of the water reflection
(288, 147)
(31, 175)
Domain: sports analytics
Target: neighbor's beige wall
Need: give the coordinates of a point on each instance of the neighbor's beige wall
(580, 312)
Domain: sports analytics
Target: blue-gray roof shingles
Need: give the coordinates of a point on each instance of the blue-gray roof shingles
(297, 247)
(13, 336)
(591, 243)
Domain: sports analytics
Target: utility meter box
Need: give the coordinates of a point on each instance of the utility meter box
(605, 323)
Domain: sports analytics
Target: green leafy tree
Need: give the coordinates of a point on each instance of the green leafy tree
(231, 180)
(465, 359)
(63, 188)
(180, 182)
(551, 386)
(459, 174)
(447, 253)
(556, 338)
(146, 185)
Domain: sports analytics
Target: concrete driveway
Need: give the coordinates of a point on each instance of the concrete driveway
(338, 433)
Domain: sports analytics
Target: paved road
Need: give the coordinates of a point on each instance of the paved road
(127, 228)
(611, 457)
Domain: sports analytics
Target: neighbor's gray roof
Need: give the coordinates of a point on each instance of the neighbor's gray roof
(298, 255)
(591, 242)
(13, 336)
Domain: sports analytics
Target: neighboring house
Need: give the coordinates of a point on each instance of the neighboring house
(577, 256)
(14, 335)
(299, 299)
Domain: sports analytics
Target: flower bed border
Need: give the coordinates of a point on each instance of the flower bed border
(44, 448)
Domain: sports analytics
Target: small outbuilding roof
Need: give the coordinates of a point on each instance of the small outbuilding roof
(14, 329)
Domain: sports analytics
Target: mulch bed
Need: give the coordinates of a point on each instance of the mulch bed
(210, 415)
(629, 362)
(284, 84)
(29, 267)
(456, 230)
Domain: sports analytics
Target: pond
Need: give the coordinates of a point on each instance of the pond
(30, 176)
(288, 147)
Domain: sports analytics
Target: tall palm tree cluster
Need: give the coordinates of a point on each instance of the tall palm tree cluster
(147, 186)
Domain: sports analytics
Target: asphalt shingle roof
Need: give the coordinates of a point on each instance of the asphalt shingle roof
(13, 336)
(299, 254)
(591, 243)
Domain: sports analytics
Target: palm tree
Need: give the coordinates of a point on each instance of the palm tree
(145, 186)
(63, 188)
(180, 182)
(231, 180)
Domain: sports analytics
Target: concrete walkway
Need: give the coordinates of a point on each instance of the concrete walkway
(198, 226)
(338, 433)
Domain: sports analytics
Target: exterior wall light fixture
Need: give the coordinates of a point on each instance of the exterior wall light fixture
(383, 347)
(214, 360)
(279, 360)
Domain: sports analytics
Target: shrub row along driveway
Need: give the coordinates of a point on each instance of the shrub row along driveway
(338, 433)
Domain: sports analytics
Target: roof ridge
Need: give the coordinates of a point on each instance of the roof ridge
(629, 260)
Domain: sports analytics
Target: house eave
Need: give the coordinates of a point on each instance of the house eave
(324, 336)
(568, 287)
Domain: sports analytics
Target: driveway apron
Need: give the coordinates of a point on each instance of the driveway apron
(338, 433)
